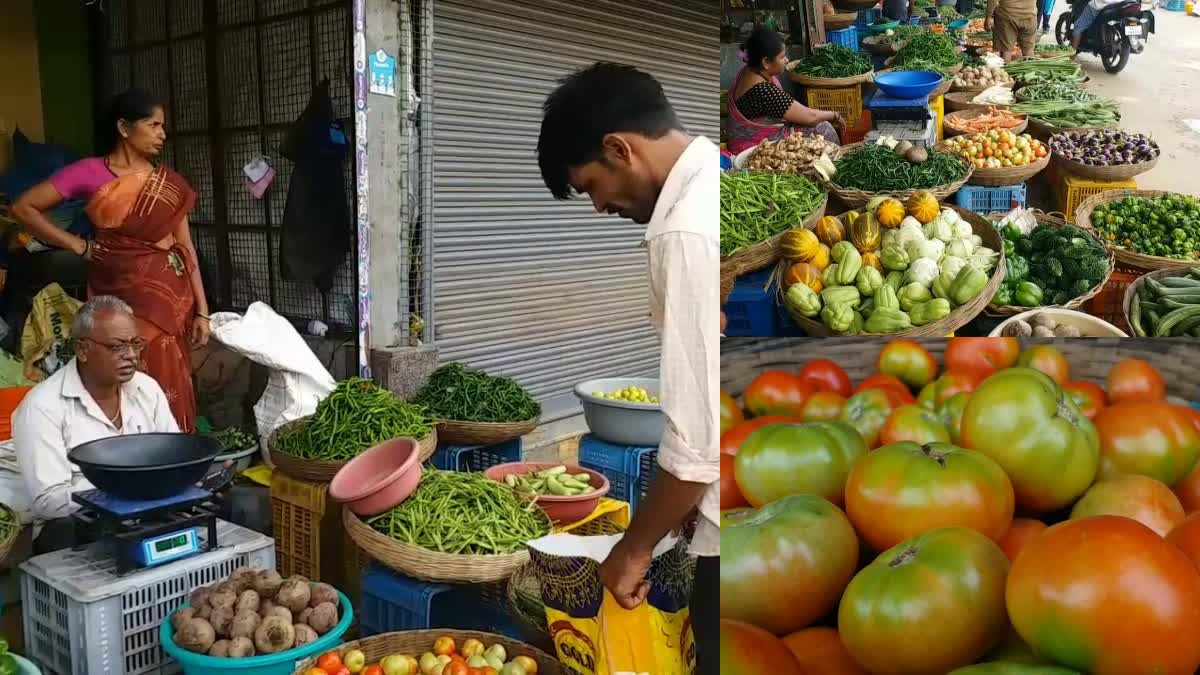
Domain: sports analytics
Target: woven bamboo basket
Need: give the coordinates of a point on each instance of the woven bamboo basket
(957, 89)
(428, 565)
(956, 101)
(321, 470)
(828, 82)
(1119, 172)
(8, 537)
(840, 20)
(1130, 291)
(1043, 131)
(1055, 219)
(1125, 258)
(957, 318)
(743, 160)
(855, 198)
(764, 253)
(417, 642)
(874, 46)
(743, 359)
(456, 432)
(1007, 175)
(726, 287)
(950, 122)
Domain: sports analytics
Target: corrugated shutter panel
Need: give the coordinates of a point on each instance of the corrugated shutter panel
(550, 293)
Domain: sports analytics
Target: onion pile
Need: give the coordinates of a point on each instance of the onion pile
(1104, 148)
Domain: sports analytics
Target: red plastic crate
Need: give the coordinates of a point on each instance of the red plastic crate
(858, 133)
(1109, 303)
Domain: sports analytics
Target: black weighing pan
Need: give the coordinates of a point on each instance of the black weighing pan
(145, 466)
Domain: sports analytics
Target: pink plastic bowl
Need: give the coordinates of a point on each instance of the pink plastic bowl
(379, 478)
(560, 509)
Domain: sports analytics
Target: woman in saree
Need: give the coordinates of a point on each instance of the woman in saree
(142, 251)
(759, 108)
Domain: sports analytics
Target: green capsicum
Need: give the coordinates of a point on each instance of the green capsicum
(1016, 269)
(1010, 248)
(1011, 232)
(802, 299)
(1004, 295)
(968, 284)
(1028, 294)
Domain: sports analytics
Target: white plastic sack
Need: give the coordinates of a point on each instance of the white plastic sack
(1024, 219)
(298, 381)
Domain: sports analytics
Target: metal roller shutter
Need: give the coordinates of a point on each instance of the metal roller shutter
(547, 292)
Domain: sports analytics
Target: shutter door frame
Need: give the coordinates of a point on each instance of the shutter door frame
(547, 292)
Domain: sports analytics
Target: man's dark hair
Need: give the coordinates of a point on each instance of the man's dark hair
(588, 105)
(763, 43)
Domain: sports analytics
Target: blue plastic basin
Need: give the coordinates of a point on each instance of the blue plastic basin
(283, 663)
(956, 25)
(908, 84)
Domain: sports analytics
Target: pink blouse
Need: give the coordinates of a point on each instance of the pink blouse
(82, 179)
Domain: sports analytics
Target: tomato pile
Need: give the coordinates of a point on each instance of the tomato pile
(446, 657)
(997, 148)
(986, 515)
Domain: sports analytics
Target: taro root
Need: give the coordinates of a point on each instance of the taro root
(273, 635)
(322, 593)
(304, 634)
(241, 648)
(265, 605)
(249, 599)
(244, 624)
(267, 583)
(281, 612)
(294, 594)
(304, 616)
(200, 596)
(182, 615)
(223, 597)
(197, 635)
(205, 611)
(221, 620)
(243, 578)
(219, 648)
(324, 617)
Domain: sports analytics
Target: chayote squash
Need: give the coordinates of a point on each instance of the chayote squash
(885, 297)
(829, 277)
(887, 320)
(894, 258)
(969, 283)
(802, 299)
(913, 294)
(842, 295)
(868, 281)
(849, 261)
(928, 312)
(839, 318)
(895, 280)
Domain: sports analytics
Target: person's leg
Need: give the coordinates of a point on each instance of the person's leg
(1086, 18)
(1027, 36)
(705, 611)
(1004, 37)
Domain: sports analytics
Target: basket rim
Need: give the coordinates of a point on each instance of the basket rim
(972, 113)
(1136, 284)
(958, 317)
(547, 663)
(1052, 220)
(10, 541)
(855, 198)
(748, 259)
(1007, 175)
(427, 443)
(1116, 172)
(828, 82)
(1139, 262)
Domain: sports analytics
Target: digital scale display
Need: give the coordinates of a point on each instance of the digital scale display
(156, 550)
(164, 545)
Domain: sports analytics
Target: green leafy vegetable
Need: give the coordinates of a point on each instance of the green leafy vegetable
(456, 392)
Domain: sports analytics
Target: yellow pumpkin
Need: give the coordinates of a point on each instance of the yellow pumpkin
(864, 233)
(890, 213)
(799, 244)
(829, 231)
(821, 259)
(923, 206)
(872, 260)
(803, 273)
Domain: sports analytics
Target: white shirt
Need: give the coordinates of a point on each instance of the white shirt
(58, 415)
(684, 258)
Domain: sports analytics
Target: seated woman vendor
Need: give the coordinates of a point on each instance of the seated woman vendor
(759, 108)
(99, 394)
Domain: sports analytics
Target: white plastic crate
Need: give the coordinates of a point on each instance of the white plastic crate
(83, 619)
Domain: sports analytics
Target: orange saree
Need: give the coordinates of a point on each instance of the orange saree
(139, 261)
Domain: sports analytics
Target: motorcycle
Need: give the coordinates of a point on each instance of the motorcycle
(1120, 29)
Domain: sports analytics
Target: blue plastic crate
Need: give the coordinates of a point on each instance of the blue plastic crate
(394, 602)
(476, 457)
(846, 37)
(629, 470)
(1176, 5)
(866, 17)
(991, 199)
(750, 310)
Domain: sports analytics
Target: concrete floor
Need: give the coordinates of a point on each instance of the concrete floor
(1158, 94)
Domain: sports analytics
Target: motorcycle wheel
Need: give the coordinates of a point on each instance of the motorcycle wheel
(1115, 56)
(1062, 30)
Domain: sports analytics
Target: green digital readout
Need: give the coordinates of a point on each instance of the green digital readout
(163, 545)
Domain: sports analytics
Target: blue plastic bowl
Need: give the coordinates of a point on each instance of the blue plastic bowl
(908, 84)
(956, 25)
(283, 663)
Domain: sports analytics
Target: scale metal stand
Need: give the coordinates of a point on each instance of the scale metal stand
(903, 119)
(150, 532)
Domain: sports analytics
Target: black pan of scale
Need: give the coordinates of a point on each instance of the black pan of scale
(145, 466)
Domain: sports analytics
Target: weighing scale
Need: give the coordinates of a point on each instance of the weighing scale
(884, 108)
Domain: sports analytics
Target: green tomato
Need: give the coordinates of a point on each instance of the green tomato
(793, 459)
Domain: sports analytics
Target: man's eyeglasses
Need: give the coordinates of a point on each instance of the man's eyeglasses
(136, 346)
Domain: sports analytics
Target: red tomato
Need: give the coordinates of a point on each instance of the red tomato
(776, 392)
(1108, 596)
(950, 383)
(947, 582)
(786, 564)
(1132, 379)
(458, 667)
(820, 652)
(825, 375)
(1150, 438)
(903, 489)
(1188, 491)
(882, 381)
(1089, 397)
(913, 423)
(1186, 536)
(867, 411)
(908, 361)
(731, 413)
(329, 662)
(749, 650)
(373, 670)
(1048, 360)
(984, 355)
(823, 406)
(1023, 531)
(733, 439)
(731, 496)
(1137, 497)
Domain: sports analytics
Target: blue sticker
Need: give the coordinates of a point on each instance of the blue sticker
(383, 73)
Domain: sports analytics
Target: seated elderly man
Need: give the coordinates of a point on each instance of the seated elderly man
(98, 394)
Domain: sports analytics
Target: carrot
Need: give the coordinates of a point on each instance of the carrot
(993, 119)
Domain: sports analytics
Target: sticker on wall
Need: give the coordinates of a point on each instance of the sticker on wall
(383, 73)
(259, 175)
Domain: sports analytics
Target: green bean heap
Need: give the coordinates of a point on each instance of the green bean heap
(456, 392)
(757, 206)
(463, 513)
(358, 414)
(876, 168)
(1036, 69)
(833, 61)
(1101, 112)
(929, 47)
(1056, 91)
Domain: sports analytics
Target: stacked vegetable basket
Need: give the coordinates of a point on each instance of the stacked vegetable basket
(1032, 505)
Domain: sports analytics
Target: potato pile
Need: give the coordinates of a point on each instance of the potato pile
(792, 154)
(255, 612)
(1041, 325)
(981, 76)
